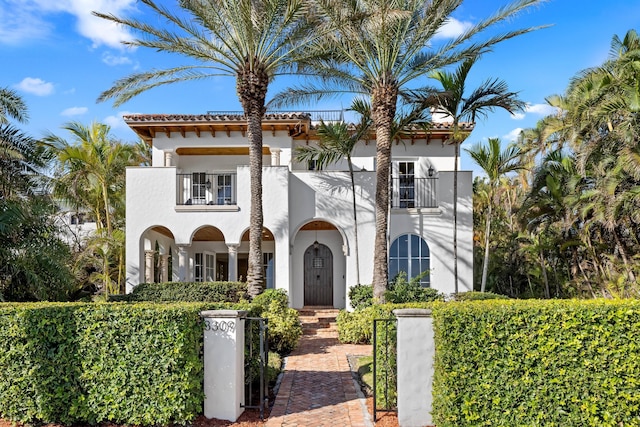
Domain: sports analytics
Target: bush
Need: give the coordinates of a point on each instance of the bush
(478, 296)
(284, 324)
(186, 292)
(361, 296)
(402, 291)
(537, 363)
(91, 363)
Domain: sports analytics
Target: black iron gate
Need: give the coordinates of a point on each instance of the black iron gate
(385, 366)
(256, 358)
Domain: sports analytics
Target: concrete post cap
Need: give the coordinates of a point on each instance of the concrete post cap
(412, 312)
(224, 313)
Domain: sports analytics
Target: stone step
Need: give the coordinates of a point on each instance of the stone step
(321, 333)
(320, 321)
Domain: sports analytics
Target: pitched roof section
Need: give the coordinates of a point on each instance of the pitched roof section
(299, 125)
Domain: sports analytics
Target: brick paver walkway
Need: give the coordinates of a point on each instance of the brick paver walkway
(317, 388)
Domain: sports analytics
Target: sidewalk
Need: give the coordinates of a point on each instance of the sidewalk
(317, 388)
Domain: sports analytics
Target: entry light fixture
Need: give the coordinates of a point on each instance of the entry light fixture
(430, 171)
(208, 184)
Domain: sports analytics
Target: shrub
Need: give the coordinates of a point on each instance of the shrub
(361, 296)
(187, 292)
(537, 363)
(402, 291)
(92, 363)
(478, 296)
(284, 324)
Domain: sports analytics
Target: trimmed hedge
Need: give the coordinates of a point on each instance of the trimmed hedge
(537, 363)
(186, 292)
(89, 363)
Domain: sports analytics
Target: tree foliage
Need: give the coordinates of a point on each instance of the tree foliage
(567, 226)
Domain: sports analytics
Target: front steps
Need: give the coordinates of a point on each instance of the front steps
(319, 321)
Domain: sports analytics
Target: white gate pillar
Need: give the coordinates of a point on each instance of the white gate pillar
(416, 351)
(224, 363)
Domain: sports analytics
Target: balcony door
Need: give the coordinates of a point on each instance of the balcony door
(199, 188)
(404, 184)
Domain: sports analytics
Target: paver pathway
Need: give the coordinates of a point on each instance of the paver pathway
(317, 388)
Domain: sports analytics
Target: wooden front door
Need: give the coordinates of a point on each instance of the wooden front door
(318, 275)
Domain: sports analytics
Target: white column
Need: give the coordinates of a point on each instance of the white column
(183, 263)
(168, 158)
(233, 262)
(275, 156)
(165, 267)
(148, 266)
(416, 351)
(223, 363)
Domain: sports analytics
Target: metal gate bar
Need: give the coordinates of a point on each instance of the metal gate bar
(389, 341)
(260, 326)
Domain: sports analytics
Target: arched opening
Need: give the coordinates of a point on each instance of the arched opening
(318, 275)
(207, 244)
(318, 265)
(268, 257)
(156, 244)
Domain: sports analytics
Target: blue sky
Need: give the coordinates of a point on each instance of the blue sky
(60, 58)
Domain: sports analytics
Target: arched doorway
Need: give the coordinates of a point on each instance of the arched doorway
(318, 275)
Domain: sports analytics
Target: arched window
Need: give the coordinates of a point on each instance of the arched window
(410, 253)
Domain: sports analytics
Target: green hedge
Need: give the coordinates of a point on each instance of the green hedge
(90, 363)
(537, 363)
(186, 292)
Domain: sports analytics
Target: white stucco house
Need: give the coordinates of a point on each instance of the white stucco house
(188, 214)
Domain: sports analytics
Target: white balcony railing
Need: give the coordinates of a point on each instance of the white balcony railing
(410, 192)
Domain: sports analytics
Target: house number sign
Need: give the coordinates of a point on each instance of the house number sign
(219, 325)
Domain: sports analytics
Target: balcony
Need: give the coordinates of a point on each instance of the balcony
(409, 192)
(199, 188)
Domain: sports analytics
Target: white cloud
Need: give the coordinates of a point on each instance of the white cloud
(28, 19)
(537, 109)
(453, 28)
(116, 122)
(35, 86)
(113, 60)
(513, 135)
(74, 111)
(19, 21)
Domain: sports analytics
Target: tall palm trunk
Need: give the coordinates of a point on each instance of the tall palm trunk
(485, 263)
(384, 98)
(252, 90)
(355, 218)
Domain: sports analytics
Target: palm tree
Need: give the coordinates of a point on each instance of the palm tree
(12, 106)
(380, 49)
(457, 105)
(495, 163)
(251, 40)
(90, 175)
(20, 157)
(337, 141)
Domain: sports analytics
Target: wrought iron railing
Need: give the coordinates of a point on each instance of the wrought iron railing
(199, 188)
(385, 366)
(410, 192)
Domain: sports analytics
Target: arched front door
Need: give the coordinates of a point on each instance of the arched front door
(318, 275)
